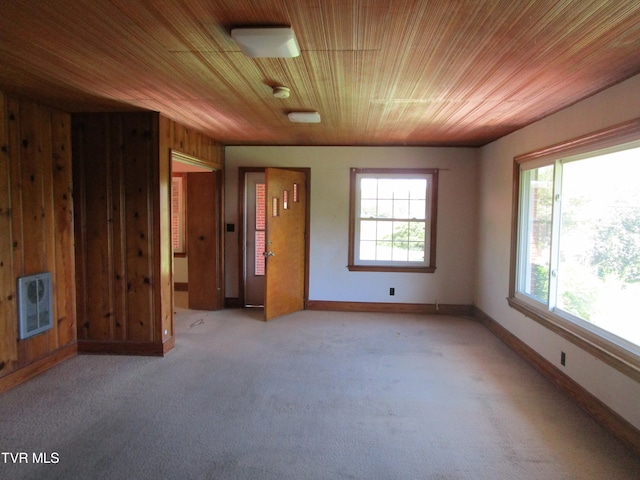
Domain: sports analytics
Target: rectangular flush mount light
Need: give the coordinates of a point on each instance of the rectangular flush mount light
(274, 42)
(304, 117)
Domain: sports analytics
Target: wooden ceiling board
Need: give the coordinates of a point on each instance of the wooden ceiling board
(414, 72)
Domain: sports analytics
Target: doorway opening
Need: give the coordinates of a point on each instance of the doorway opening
(196, 233)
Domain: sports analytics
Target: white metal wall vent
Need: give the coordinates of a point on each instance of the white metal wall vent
(35, 304)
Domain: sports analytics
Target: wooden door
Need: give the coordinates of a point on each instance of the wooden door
(286, 242)
(202, 241)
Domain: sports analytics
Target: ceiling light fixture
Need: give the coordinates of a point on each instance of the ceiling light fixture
(269, 42)
(304, 117)
(281, 92)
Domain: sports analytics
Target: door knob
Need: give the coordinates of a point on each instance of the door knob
(269, 254)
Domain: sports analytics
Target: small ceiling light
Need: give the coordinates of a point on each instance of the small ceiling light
(274, 42)
(304, 117)
(281, 92)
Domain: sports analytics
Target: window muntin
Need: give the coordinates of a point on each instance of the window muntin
(578, 253)
(393, 219)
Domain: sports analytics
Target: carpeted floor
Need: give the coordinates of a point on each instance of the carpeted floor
(314, 395)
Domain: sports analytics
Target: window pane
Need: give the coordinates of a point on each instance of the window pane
(400, 231)
(384, 251)
(385, 230)
(261, 206)
(369, 188)
(416, 251)
(386, 188)
(368, 230)
(599, 249)
(260, 242)
(400, 251)
(417, 209)
(417, 189)
(367, 250)
(385, 209)
(401, 209)
(417, 233)
(401, 189)
(368, 208)
(535, 234)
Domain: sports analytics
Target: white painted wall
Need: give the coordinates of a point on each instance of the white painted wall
(608, 108)
(329, 279)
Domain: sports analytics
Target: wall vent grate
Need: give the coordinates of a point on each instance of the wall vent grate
(35, 304)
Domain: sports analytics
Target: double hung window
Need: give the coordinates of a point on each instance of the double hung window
(393, 220)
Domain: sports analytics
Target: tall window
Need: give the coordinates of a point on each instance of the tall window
(577, 259)
(393, 220)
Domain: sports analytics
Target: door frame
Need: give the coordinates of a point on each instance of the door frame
(241, 228)
(194, 165)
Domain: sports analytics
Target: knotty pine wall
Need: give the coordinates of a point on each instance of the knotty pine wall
(36, 232)
(122, 184)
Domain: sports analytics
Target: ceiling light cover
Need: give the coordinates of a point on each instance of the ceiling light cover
(281, 92)
(267, 42)
(304, 117)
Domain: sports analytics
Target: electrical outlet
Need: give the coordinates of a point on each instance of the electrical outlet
(563, 359)
(392, 291)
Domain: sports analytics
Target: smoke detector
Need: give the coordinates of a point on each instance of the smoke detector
(281, 92)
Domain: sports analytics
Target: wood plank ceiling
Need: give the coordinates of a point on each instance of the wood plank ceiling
(380, 72)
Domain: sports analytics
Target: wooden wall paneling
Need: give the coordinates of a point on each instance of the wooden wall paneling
(80, 227)
(13, 111)
(117, 222)
(62, 202)
(33, 238)
(180, 137)
(171, 133)
(95, 241)
(44, 137)
(122, 173)
(138, 185)
(30, 190)
(116, 167)
(194, 143)
(32, 193)
(8, 311)
(14, 114)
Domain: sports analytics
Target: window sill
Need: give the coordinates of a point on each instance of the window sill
(388, 268)
(614, 355)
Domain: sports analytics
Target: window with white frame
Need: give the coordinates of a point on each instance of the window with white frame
(577, 256)
(393, 219)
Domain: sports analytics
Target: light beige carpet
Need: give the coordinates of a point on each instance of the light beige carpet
(314, 395)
